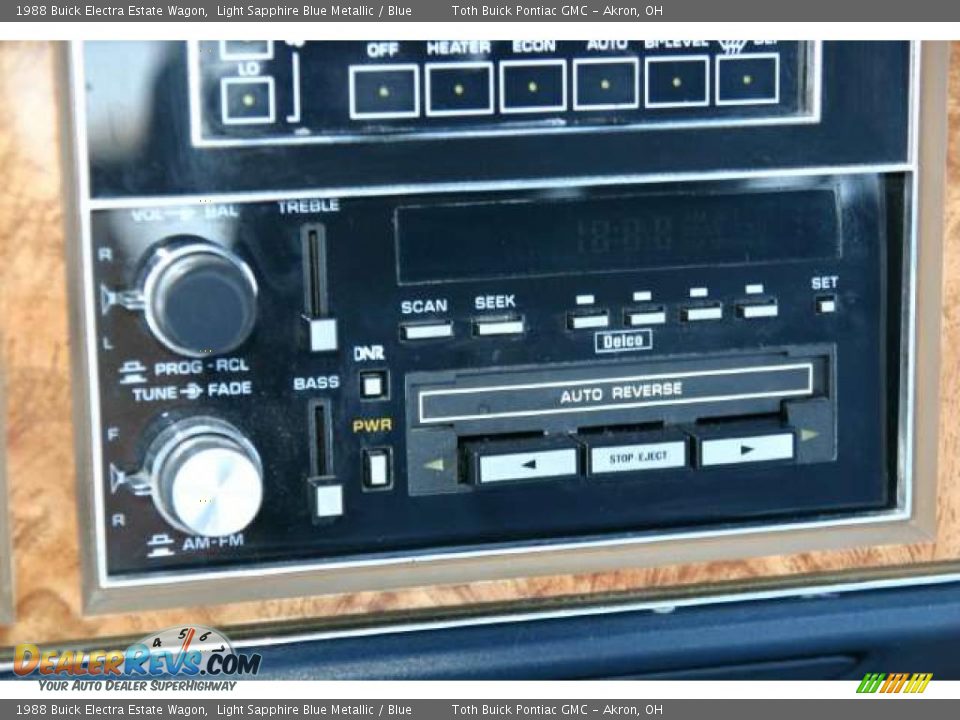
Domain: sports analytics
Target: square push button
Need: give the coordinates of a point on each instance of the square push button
(533, 86)
(246, 49)
(247, 100)
(323, 334)
(748, 79)
(459, 89)
(674, 82)
(376, 469)
(373, 385)
(605, 83)
(327, 501)
(384, 91)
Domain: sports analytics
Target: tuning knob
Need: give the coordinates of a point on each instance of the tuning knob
(199, 298)
(205, 477)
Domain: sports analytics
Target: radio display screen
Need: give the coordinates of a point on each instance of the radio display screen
(472, 241)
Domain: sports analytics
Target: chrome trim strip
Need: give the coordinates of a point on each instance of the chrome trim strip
(577, 181)
(611, 608)
(7, 598)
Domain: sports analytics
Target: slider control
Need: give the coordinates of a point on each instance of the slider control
(323, 329)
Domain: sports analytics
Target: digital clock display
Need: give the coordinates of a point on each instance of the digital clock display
(529, 238)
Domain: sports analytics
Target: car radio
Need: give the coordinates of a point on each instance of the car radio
(360, 315)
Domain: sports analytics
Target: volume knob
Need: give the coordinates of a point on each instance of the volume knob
(199, 298)
(206, 477)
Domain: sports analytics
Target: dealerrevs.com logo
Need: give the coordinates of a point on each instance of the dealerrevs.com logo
(189, 652)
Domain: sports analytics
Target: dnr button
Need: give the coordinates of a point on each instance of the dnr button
(636, 455)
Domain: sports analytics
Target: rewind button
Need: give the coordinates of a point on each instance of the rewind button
(497, 462)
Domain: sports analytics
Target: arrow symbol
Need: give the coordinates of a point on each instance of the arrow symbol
(531, 464)
(744, 449)
(436, 465)
(808, 434)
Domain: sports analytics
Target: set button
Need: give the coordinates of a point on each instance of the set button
(826, 304)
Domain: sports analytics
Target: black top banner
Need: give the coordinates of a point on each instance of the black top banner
(490, 11)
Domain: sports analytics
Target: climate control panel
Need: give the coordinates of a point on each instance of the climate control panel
(369, 314)
(280, 92)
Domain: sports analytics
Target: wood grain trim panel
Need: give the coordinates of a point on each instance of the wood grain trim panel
(40, 463)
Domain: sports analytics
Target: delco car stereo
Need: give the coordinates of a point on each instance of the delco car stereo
(367, 314)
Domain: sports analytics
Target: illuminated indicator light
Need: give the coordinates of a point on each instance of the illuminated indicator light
(677, 82)
(384, 91)
(458, 89)
(747, 79)
(605, 84)
(532, 87)
(249, 100)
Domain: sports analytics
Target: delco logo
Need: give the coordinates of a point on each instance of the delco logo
(894, 683)
(616, 341)
(184, 651)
